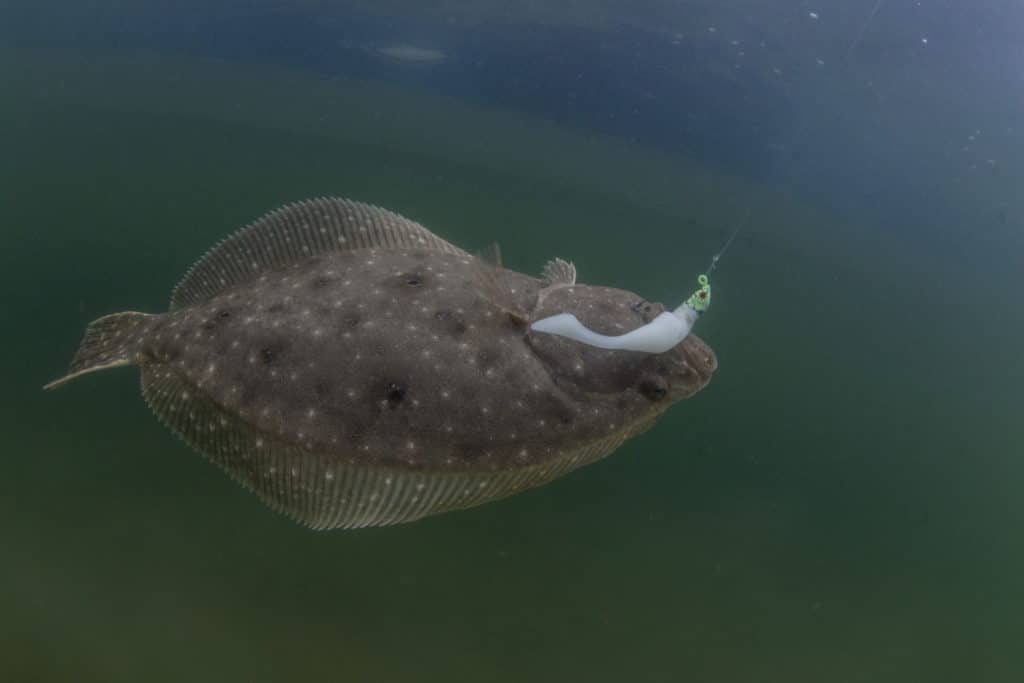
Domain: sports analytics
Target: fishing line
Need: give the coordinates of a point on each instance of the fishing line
(728, 242)
(846, 59)
(860, 34)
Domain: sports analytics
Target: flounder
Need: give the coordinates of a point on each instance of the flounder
(354, 369)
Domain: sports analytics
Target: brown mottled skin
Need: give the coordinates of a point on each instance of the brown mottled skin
(396, 357)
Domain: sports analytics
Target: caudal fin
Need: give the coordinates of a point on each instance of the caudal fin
(109, 342)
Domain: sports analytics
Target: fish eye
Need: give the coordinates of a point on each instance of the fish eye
(654, 387)
(641, 307)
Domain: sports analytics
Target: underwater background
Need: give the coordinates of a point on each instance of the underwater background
(842, 503)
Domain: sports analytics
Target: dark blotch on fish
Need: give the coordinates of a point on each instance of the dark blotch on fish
(270, 354)
(321, 281)
(395, 393)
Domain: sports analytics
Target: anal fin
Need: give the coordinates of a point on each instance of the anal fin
(328, 491)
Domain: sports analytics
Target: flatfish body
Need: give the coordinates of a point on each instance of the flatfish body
(354, 369)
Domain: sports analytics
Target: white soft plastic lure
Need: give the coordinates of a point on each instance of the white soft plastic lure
(657, 336)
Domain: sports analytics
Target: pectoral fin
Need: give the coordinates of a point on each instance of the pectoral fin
(559, 272)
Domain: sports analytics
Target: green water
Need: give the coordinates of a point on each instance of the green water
(840, 504)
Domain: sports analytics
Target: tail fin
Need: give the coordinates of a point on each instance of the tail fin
(109, 342)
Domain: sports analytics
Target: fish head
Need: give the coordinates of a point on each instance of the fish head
(659, 378)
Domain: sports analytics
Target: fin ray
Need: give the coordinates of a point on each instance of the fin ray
(559, 272)
(324, 491)
(109, 342)
(296, 232)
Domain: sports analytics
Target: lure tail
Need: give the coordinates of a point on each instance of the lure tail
(109, 342)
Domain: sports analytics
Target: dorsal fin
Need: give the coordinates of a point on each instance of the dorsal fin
(559, 272)
(295, 232)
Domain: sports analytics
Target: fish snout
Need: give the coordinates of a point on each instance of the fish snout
(700, 357)
(694, 364)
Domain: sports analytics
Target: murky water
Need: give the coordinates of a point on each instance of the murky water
(840, 504)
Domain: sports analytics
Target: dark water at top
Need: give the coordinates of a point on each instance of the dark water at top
(841, 503)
